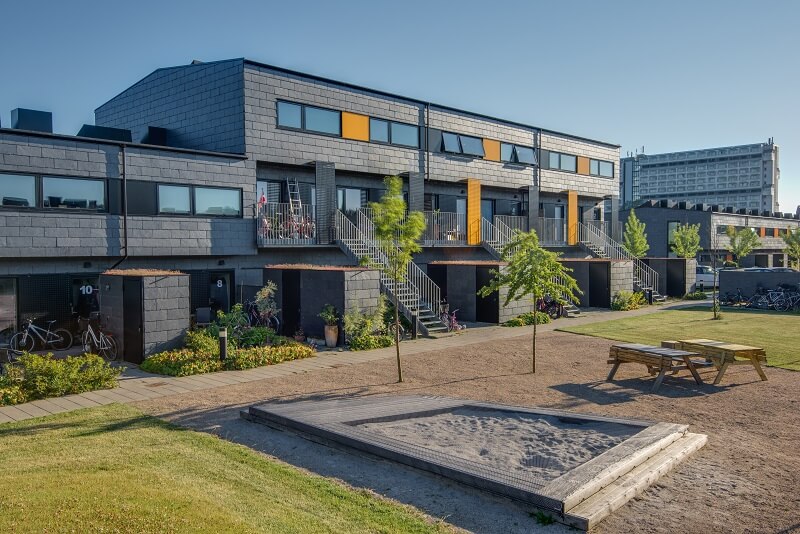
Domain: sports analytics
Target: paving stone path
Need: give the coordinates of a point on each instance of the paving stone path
(136, 385)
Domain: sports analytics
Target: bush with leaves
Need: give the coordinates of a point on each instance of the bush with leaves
(634, 239)
(697, 295)
(253, 357)
(686, 240)
(41, 376)
(366, 331)
(181, 362)
(627, 300)
(528, 318)
(257, 336)
(265, 300)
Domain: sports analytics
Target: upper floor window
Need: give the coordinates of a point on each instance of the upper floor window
(463, 144)
(217, 201)
(506, 152)
(563, 162)
(174, 199)
(601, 168)
(73, 193)
(290, 115)
(378, 130)
(517, 154)
(405, 135)
(322, 120)
(17, 191)
(451, 143)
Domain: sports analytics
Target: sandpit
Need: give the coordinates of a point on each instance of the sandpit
(539, 446)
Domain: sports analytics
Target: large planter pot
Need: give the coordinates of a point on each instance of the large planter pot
(331, 335)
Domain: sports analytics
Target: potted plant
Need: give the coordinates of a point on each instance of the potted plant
(330, 315)
(299, 335)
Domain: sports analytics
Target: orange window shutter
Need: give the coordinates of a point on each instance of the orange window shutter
(491, 149)
(583, 165)
(355, 126)
(473, 211)
(572, 217)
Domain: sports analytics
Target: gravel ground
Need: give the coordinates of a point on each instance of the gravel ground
(744, 480)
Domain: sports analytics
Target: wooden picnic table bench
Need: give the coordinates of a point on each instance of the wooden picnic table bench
(723, 354)
(658, 360)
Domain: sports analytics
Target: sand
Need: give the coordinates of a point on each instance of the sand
(534, 447)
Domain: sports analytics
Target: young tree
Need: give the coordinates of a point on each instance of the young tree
(741, 243)
(634, 239)
(398, 238)
(686, 240)
(532, 272)
(792, 240)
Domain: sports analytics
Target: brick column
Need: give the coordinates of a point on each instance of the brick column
(416, 191)
(326, 200)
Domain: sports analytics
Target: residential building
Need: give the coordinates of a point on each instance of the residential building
(661, 218)
(744, 176)
(217, 169)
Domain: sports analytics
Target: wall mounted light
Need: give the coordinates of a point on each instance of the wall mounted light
(221, 262)
(87, 264)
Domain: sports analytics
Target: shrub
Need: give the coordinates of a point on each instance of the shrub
(202, 342)
(697, 295)
(260, 356)
(527, 319)
(181, 362)
(627, 300)
(256, 336)
(358, 324)
(371, 341)
(39, 376)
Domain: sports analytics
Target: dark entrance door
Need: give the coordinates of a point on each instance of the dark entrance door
(487, 309)
(133, 338)
(676, 278)
(219, 292)
(599, 289)
(291, 302)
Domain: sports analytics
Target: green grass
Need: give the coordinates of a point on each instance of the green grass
(777, 333)
(113, 469)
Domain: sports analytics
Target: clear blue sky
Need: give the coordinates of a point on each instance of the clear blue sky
(669, 75)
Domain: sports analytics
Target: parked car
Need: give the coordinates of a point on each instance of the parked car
(705, 276)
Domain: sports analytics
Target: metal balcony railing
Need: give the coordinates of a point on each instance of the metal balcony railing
(444, 228)
(551, 232)
(513, 222)
(279, 224)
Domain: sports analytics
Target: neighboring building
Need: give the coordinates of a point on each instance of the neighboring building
(217, 169)
(662, 217)
(744, 176)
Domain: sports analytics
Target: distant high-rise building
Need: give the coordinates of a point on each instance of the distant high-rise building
(744, 176)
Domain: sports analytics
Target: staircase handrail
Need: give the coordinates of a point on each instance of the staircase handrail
(643, 273)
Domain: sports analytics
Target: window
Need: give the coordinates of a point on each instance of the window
(451, 143)
(569, 163)
(73, 193)
(461, 205)
(378, 131)
(506, 152)
(217, 201)
(554, 160)
(606, 169)
(472, 146)
(174, 199)
(323, 120)
(525, 155)
(17, 191)
(405, 135)
(594, 167)
(290, 115)
(350, 199)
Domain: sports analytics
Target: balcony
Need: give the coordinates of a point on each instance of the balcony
(444, 228)
(278, 224)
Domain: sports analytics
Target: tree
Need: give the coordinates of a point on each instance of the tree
(740, 242)
(792, 240)
(532, 272)
(686, 240)
(634, 240)
(397, 238)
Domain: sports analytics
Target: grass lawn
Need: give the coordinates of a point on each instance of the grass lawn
(778, 333)
(113, 469)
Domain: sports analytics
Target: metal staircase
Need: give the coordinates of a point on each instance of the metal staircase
(417, 294)
(494, 238)
(594, 240)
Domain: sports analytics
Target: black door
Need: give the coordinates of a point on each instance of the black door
(438, 273)
(290, 311)
(487, 309)
(133, 335)
(676, 278)
(599, 289)
(220, 292)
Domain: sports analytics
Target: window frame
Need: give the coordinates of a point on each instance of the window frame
(278, 115)
(388, 131)
(457, 140)
(392, 124)
(36, 187)
(194, 202)
(318, 132)
(533, 153)
(190, 190)
(40, 193)
(478, 140)
(303, 126)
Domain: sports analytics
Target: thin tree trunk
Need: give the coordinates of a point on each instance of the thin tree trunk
(397, 327)
(535, 320)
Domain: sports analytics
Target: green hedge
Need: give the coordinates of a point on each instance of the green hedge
(627, 300)
(371, 341)
(40, 376)
(527, 319)
(697, 295)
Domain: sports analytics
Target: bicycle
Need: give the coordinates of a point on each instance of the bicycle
(734, 299)
(551, 307)
(450, 321)
(98, 342)
(25, 341)
(257, 318)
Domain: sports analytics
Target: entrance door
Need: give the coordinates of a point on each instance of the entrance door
(133, 335)
(487, 309)
(219, 292)
(84, 295)
(599, 273)
(559, 230)
(291, 302)
(487, 210)
(8, 308)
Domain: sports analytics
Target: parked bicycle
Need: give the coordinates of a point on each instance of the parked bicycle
(32, 335)
(449, 319)
(551, 307)
(733, 299)
(97, 342)
(256, 318)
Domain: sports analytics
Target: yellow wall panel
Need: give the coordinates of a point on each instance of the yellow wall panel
(762, 232)
(355, 126)
(775, 232)
(583, 165)
(491, 149)
(473, 211)
(572, 217)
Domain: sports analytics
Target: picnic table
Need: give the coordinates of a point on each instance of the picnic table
(658, 360)
(723, 354)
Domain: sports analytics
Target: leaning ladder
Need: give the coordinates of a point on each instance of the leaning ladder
(295, 204)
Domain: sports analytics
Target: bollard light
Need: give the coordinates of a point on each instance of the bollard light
(223, 343)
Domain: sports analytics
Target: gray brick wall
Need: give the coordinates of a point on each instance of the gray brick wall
(202, 106)
(362, 290)
(166, 312)
(620, 277)
(326, 200)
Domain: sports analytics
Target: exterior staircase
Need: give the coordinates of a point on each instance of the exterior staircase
(645, 278)
(494, 238)
(418, 295)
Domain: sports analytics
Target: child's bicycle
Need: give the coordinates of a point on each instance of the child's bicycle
(449, 319)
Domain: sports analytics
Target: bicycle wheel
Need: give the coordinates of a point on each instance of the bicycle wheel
(274, 323)
(108, 347)
(87, 342)
(22, 342)
(62, 339)
(554, 312)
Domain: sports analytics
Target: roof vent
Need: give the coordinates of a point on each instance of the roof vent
(32, 120)
(741, 211)
(197, 62)
(105, 132)
(766, 213)
(701, 207)
(714, 207)
(155, 136)
(728, 209)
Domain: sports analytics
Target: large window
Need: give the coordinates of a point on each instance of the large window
(73, 193)
(506, 152)
(563, 162)
(174, 199)
(17, 190)
(517, 154)
(378, 131)
(351, 199)
(217, 201)
(323, 120)
(471, 146)
(601, 168)
(451, 143)
(405, 135)
(290, 115)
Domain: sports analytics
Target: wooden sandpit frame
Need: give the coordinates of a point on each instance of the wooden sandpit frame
(580, 497)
